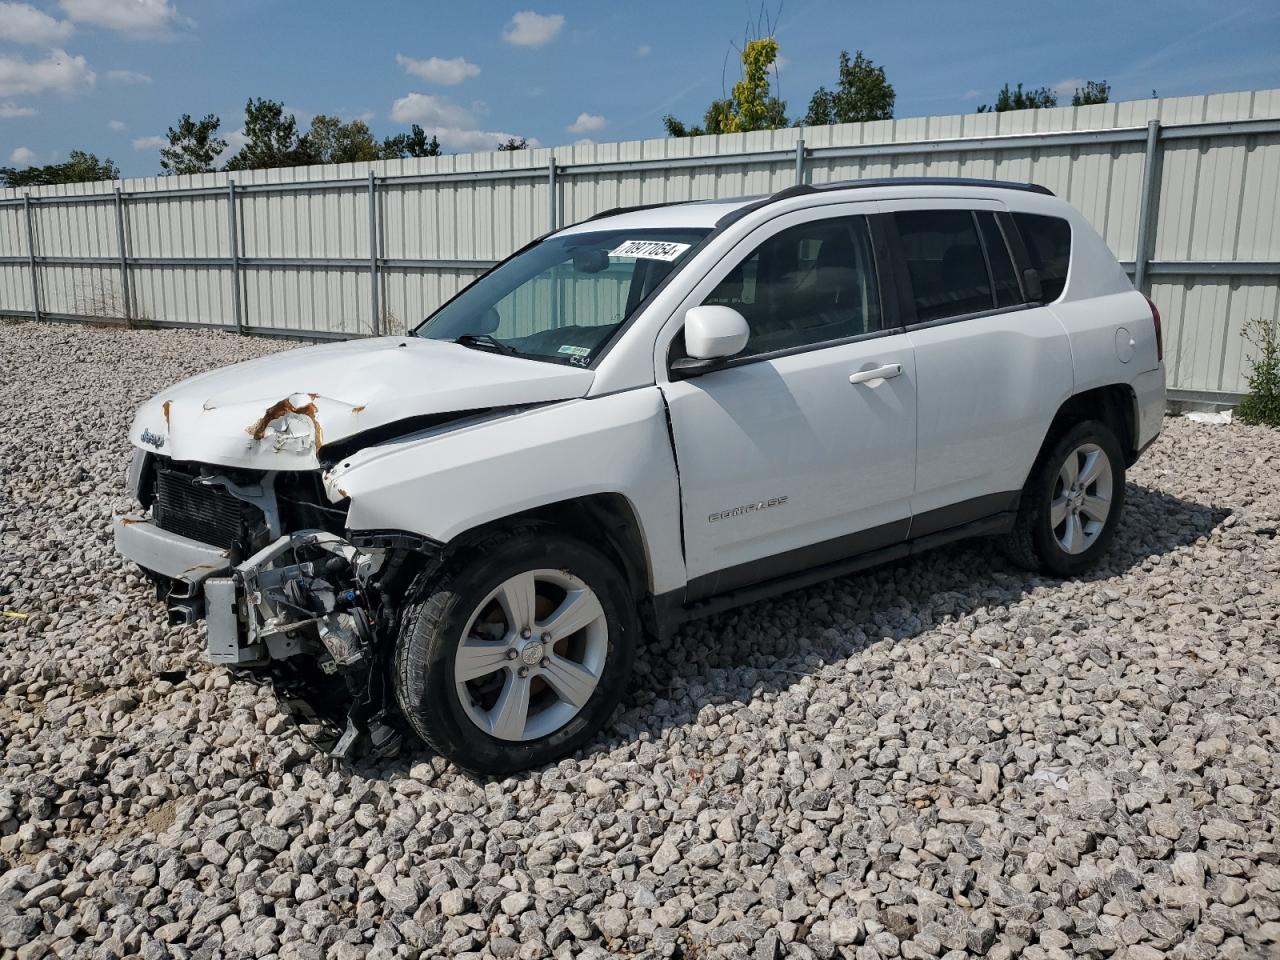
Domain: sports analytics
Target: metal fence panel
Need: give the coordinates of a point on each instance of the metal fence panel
(355, 249)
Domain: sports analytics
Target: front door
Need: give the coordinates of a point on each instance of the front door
(801, 451)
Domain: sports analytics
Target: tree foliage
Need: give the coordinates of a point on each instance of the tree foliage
(1018, 99)
(751, 104)
(1094, 91)
(194, 146)
(79, 167)
(862, 93)
(273, 139)
(415, 143)
(514, 143)
(331, 141)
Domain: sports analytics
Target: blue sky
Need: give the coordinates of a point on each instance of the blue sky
(111, 75)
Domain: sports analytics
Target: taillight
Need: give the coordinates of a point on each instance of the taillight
(1155, 319)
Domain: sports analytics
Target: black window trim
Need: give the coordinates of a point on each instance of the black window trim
(890, 304)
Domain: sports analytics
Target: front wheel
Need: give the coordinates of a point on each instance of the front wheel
(1071, 503)
(519, 655)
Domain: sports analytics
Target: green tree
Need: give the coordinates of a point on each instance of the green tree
(412, 144)
(79, 167)
(514, 143)
(331, 141)
(1094, 91)
(751, 104)
(1021, 100)
(194, 146)
(273, 139)
(862, 93)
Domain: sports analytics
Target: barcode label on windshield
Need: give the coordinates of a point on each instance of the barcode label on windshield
(650, 250)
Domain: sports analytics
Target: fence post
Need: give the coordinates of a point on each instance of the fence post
(373, 255)
(1147, 208)
(31, 257)
(124, 260)
(800, 162)
(551, 183)
(234, 230)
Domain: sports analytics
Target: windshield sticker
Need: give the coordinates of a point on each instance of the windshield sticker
(575, 351)
(650, 250)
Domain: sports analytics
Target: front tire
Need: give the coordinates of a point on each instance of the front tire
(1071, 503)
(519, 655)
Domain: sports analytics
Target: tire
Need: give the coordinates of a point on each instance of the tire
(465, 700)
(1064, 531)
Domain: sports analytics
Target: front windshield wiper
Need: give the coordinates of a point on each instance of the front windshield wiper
(482, 341)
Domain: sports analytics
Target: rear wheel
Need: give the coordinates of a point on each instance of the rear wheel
(519, 655)
(1071, 503)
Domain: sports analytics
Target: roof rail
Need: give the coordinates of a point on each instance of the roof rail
(801, 190)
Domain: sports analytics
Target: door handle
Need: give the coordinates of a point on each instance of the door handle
(887, 372)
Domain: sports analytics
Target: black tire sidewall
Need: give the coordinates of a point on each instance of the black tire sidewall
(1055, 559)
(428, 643)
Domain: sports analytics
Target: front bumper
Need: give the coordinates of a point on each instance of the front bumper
(165, 553)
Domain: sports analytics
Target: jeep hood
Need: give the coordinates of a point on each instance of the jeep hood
(278, 412)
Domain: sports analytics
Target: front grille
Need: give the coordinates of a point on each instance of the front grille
(201, 512)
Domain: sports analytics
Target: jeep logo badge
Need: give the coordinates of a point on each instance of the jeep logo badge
(152, 439)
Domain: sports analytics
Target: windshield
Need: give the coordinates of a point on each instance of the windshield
(562, 299)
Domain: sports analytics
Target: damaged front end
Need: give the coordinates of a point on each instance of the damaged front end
(310, 594)
(264, 559)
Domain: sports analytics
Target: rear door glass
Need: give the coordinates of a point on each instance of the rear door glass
(943, 255)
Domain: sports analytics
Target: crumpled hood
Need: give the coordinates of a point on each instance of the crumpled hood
(278, 411)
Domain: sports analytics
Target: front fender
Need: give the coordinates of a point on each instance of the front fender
(443, 485)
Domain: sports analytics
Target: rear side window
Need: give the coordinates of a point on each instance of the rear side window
(944, 260)
(1048, 243)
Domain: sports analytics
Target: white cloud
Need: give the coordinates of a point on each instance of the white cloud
(59, 72)
(972, 94)
(587, 123)
(11, 111)
(23, 156)
(428, 110)
(150, 143)
(453, 123)
(780, 63)
(584, 142)
(438, 70)
(23, 23)
(139, 18)
(117, 125)
(127, 76)
(1068, 86)
(643, 50)
(529, 29)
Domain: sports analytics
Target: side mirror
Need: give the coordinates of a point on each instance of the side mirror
(1031, 284)
(714, 333)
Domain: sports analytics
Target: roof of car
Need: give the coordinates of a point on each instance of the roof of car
(712, 213)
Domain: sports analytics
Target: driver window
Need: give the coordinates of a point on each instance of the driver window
(807, 285)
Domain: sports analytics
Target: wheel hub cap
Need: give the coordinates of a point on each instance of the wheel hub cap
(531, 655)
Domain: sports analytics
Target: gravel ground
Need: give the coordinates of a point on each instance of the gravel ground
(941, 758)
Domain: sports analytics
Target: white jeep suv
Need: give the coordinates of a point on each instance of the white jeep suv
(650, 416)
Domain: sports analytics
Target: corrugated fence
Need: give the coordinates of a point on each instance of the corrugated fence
(1184, 190)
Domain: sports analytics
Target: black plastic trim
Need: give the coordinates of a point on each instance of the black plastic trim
(967, 511)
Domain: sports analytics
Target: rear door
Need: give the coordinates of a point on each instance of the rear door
(991, 368)
(800, 451)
